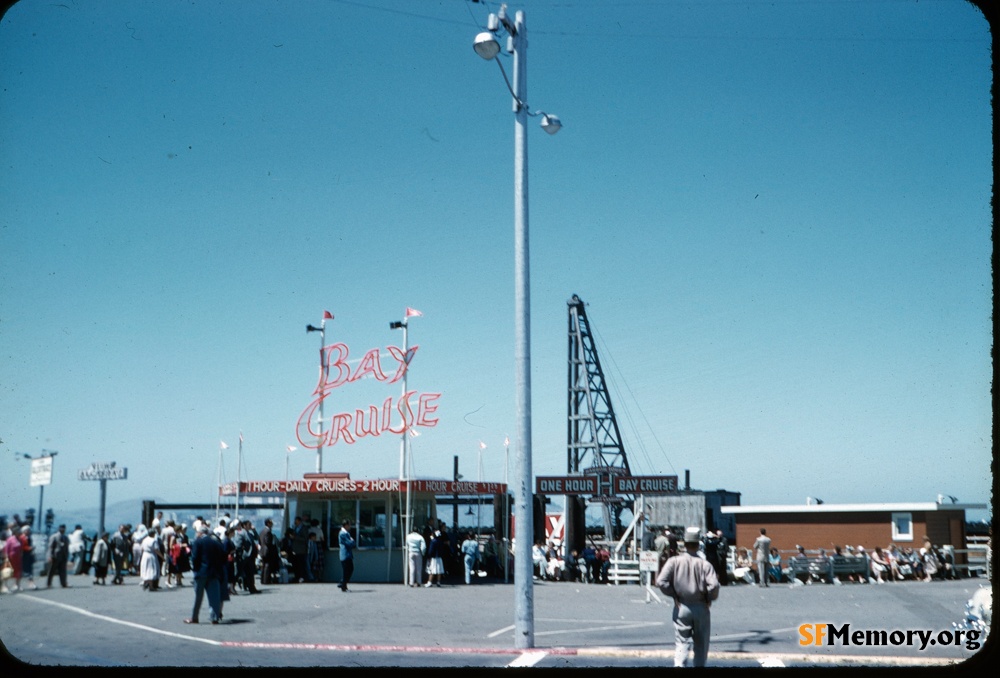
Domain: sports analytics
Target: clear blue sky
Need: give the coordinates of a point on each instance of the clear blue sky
(778, 213)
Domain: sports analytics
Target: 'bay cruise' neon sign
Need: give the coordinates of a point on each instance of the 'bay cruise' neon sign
(394, 415)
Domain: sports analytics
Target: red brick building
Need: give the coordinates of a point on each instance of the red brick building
(817, 526)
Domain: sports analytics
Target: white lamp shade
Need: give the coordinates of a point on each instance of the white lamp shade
(486, 45)
(551, 124)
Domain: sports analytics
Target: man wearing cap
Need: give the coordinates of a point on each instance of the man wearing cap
(691, 581)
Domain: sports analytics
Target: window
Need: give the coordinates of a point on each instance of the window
(371, 523)
(902, 527)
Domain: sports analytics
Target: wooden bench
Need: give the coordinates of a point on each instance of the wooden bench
(828, 568)
(819, 567)
(848, 565)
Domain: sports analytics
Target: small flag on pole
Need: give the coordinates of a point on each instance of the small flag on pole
(413, 432)
(222, 445)
(482, 445)
(410, 312)
(241, 436)
(506, 441)
(291, 448)
(327, 315)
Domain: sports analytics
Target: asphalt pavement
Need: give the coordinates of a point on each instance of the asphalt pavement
(581, 625)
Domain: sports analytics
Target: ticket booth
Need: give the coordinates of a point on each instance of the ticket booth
(376, 509)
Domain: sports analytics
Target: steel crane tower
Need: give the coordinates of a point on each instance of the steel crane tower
(594, 443)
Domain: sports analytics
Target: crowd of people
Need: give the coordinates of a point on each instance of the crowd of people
(435, 552)
(161, 554)
(880, 565)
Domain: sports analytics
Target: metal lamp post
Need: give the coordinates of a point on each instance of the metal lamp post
(487, 46)
(322, 373)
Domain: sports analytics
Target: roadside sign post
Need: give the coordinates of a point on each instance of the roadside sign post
(41, 475)
(649, 562)
(102, 472)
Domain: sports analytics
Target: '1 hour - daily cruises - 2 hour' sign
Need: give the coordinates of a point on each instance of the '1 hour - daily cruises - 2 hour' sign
(395, 415)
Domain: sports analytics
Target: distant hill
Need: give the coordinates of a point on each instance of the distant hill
(126, 511)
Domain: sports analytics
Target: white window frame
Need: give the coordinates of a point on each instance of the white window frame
(897, 535)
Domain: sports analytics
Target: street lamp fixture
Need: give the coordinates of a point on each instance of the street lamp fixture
(486, 45)
(551, 123)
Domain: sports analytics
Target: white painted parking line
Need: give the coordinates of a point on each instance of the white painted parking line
(141, 627)
(576, 627)
(527, 659)
(500, 632)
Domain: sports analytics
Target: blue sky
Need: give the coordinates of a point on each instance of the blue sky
(779, 215)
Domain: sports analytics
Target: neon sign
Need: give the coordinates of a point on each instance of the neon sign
(394, 415)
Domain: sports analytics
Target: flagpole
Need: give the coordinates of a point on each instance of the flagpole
(218, 486)
(322, 375)
(404, 475)
(239, 462)
(479, 494)
(322, 379)
(288, 450)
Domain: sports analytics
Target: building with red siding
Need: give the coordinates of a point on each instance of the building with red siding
(820, 525)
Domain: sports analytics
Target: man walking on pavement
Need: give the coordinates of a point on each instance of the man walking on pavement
(208, 565)
(691, 581)
(762, 552)
(346, 542)
(119, 554)
(58, 556)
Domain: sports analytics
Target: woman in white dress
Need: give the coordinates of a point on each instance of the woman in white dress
(137, 536)
(149, 565)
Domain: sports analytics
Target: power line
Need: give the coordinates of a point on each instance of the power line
(606, 351)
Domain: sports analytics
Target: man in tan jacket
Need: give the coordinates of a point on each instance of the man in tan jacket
(691, 581)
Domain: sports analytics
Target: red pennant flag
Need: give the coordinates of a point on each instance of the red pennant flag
(327, 315)
(410, 312)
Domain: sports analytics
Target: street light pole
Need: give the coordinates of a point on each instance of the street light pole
(486, 46)
(322, 375)
(524, 612)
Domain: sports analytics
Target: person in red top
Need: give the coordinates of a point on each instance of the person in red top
(12, 553)
(604, 558)
(27, 556)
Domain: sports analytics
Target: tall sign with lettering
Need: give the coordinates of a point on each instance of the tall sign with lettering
(103, 472)
(394, 415)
